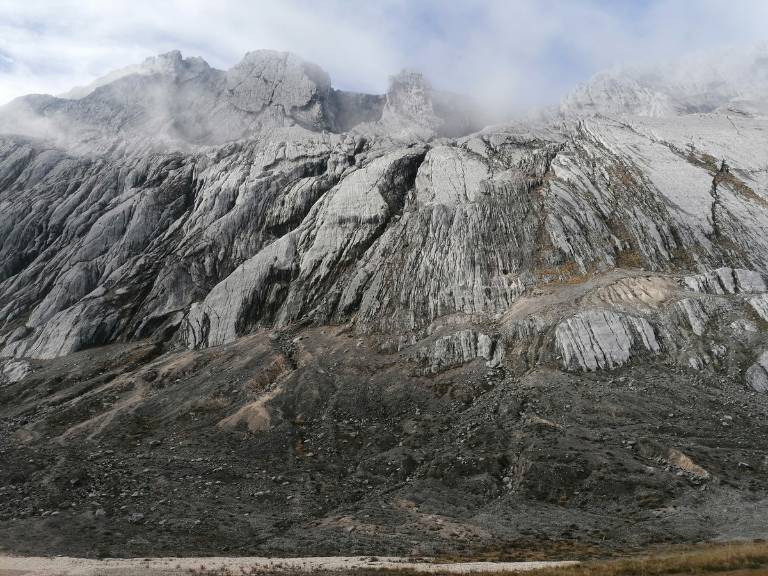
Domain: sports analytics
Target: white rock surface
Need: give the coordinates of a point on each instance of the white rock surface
(459, 348)
(13, 370)
(250, 287)
(757, 374)
(760, 305)
(696, 315)
(262, 197)
(601, 339)
(727, 281)
(266, 78)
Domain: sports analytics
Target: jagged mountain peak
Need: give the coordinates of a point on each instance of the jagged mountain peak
(410, 94)
(266, 78)
(617, 93)
(281, 64)
(169, 63)
(697, 83)
(174, 64)
(170, 100)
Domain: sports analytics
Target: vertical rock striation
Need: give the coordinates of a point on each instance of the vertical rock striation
(190, 205)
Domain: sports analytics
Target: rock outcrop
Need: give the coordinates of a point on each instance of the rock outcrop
(599, 339)
(757, 374)
(13, 370)
(334, 233)
(727, 281)
(459, 348)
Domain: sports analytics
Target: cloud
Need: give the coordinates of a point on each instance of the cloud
(509, 52)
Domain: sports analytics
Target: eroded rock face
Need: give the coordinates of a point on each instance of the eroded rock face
(217, 319)
(13, 371)
(727, 281)
(757, 374)
(760, 305)
(171, 102)
(265, 79)
(599, 339)
(460, 348)
(265, 198)
(171, 63)
(618, 94)
(336, 229)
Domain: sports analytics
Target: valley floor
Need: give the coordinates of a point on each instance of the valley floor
(50, 566)
(724, 559)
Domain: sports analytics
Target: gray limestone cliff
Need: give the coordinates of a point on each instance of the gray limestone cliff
(189, 205)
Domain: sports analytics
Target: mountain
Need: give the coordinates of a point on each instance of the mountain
(173, 102)
(700, 83)
(357, 324)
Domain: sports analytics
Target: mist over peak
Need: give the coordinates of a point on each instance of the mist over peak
(702, 82)
(172, 100)
(170, 63)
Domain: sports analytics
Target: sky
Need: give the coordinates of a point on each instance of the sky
(513, 53)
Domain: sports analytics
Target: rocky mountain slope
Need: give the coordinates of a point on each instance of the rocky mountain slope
(329, 313)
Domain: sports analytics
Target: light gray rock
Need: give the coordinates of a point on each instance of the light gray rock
(87, 323)
(601, 339)
(756, 375)
(459, 348)
(329, 238)
(248, 291)
(760, 305)
(265, 79)
(695, 313)
(262, 197)
(742, 326)
(727, 281)
(171, 102)
(618, 94)
(689, 85)
(171, 63)
(13, 371)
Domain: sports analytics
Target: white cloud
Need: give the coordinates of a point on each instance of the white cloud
(514, 52)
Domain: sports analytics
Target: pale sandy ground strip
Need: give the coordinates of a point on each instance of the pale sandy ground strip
(60, 565)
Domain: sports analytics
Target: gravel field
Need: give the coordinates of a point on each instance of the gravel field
(60, 565)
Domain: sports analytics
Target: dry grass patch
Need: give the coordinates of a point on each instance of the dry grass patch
(629, 259)
(737, 559)
(566, 273)
(746, 558)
